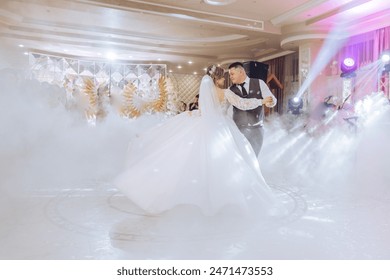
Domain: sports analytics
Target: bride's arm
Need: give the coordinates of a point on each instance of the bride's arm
(242, 103)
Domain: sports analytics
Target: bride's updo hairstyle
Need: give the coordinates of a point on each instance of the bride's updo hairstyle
(215, 72)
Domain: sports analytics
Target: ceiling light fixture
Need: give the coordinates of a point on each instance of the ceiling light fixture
(219, 2)
(111, 56)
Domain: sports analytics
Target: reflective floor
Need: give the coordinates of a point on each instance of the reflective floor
(94, 221)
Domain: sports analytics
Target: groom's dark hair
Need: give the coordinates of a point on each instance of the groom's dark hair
(236, 65)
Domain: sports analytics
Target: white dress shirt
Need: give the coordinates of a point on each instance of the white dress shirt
(265, 91)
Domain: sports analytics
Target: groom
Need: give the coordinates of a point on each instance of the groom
(250, 122)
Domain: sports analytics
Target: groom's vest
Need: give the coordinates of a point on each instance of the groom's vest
(249, 117)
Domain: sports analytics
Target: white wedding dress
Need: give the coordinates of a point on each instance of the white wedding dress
(199, 159)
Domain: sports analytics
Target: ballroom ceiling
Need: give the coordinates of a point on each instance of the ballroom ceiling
(189, 33)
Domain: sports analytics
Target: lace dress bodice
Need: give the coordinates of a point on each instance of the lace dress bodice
(224, 104)
(227, 98)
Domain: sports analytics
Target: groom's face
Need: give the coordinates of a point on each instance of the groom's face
(237, 75)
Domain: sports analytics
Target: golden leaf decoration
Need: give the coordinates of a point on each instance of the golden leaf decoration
(160, 104)
(129, 109)
(91, 91)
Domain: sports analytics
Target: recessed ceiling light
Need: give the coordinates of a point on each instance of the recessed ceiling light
(111, 56)
(21, 45)
(25, 53)
(195, 73)
(190, 62)
(179, 66)
(219, 2)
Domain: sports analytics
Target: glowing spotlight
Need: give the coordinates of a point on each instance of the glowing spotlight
(111, 56)
(385, 56)
(348, 67)
(349, 62)
(295, 105)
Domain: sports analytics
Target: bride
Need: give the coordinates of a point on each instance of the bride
(197, 158)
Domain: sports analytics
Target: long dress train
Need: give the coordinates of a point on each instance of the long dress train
(196, 159)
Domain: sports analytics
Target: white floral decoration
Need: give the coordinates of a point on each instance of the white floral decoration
(212, 70)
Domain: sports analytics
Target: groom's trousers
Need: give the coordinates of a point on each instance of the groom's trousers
(255, 135)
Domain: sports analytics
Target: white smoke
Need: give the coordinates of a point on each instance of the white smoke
(337, 155)
(44, 144)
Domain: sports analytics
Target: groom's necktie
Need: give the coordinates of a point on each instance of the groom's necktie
(243, 90)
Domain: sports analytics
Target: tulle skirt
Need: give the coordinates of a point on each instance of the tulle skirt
(197, 161)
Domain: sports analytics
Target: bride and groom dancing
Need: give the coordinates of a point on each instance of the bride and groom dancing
(206, 159)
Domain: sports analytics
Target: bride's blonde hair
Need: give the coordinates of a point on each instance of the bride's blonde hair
(215, 72)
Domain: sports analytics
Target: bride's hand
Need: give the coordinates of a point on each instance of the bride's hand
(268, 101)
